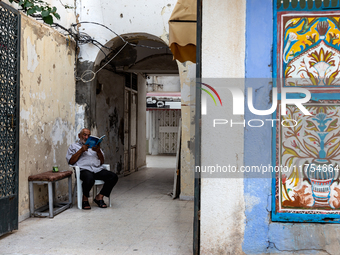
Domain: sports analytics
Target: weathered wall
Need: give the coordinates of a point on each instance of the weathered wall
(187, 73)
(164, 83)
(141, 124)
(85, 96)
(222, 201)
(47, 107)
(129, 18)
(110, 117)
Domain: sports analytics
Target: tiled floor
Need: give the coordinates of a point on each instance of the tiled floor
(144, 219)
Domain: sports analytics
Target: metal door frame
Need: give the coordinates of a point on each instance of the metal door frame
(10, 203)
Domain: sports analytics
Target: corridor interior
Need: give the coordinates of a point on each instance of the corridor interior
(143, 219)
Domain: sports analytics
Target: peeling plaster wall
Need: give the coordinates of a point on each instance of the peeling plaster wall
(222, 201)
(128, 17)
(110, 117)
(141, 122)
(47, 107)
(187, 73)
(85, 97)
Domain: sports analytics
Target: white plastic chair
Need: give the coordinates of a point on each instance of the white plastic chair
(79, 189)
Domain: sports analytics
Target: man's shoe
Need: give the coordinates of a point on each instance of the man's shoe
(100, 203)
(86, 205)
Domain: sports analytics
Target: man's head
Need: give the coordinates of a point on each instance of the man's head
(83, 135)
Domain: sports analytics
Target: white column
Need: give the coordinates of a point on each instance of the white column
(222, 200)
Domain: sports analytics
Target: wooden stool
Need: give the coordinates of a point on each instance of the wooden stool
(50, 178)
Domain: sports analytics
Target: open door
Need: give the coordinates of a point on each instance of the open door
(9, 116)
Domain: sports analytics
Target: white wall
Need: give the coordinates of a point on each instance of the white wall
(142, 16)
(222, 201)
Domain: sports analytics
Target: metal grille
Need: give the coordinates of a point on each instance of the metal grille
(9, 79)
(168, 130)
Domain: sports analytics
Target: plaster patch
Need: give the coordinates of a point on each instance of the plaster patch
(163, 10)
(42, 95)
(36, 139)
(32, 57)
(24, 115)
(60, 130)
(80, 118)
(251, 201)
(185, 93)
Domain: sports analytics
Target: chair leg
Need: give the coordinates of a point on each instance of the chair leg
(74, 192)
(31, 199)
(70, 191)
(94, 191)
(79, 195)
(50, 199)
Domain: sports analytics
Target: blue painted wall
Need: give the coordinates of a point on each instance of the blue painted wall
(261, 235)
(257, 147)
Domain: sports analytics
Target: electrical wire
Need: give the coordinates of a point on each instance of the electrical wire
(82, 38)
(87, 72)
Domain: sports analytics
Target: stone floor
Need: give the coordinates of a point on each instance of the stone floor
(144, 219)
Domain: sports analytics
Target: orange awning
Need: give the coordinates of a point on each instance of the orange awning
(182, 30)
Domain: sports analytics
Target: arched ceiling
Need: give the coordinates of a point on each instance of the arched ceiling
(150, 55)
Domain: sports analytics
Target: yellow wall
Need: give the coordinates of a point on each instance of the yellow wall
(47, 107)
(187, 74)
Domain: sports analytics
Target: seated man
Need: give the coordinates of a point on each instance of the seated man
(89, 162)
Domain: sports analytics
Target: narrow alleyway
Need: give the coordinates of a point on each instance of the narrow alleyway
(144, 219)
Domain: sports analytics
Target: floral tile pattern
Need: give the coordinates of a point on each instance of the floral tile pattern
(307, 147)
(309, 50)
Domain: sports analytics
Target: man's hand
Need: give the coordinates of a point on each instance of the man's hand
(96, 148)
(77, 155)
(85, 147)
